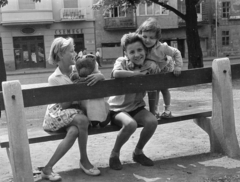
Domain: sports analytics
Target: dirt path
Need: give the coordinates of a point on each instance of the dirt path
(180, 150)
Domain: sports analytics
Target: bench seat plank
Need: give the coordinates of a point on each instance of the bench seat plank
(42, 136)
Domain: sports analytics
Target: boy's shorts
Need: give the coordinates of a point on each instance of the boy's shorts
(131, 113)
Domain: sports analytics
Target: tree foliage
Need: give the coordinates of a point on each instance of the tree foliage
(193, 41)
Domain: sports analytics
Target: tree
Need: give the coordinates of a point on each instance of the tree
(195, 56)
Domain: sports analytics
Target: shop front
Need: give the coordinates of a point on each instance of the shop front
(27, 47)
(29, 52)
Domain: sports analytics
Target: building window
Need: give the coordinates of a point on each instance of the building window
(115, 44)
(118, 11)
(70, 3)
(225, 9)
(26, 4)
(225, 38)
(29, 52)
(146, 9)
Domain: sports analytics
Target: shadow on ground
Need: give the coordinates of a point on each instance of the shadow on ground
(196, 168)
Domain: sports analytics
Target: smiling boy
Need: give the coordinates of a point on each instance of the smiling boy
(128, 111)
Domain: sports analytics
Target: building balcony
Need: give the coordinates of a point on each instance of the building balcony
(120, 23)
(73, 14)
(200, 20)
(25, 17)
(16, 13)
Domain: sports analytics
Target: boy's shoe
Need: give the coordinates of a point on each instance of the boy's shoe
(115, 163)
(95, 123)
(142, 159)
(166, 114)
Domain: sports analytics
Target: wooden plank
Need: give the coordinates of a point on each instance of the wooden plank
(41, 136)
(223, 122)
(46, 95)
(114, 87)
(17, 132)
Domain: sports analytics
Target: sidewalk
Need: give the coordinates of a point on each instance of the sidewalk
(104, 66)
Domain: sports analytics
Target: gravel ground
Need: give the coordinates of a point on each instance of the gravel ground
(180, 150)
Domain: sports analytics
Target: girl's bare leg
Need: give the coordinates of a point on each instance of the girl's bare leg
(63, 147)
(82, 122)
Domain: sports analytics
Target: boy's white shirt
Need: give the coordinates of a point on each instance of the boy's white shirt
(127, 102)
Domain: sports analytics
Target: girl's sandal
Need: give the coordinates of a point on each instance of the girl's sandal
(51, 177)
(158, 116)
(166, 115)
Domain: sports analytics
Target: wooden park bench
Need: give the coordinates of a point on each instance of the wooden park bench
(220, 127)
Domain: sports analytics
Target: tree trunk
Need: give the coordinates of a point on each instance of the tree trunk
(3, 76)
(195, 57)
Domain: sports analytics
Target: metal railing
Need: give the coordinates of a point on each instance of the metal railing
(73, 13)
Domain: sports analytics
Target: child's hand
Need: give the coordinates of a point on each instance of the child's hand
(130, 66)
(177, 71)
(74, 76)
(140, 72)
(93, 79)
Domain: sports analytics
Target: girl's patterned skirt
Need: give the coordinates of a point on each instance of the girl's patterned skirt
(57, 118)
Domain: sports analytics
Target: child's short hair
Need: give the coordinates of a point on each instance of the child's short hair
(88, 62)
(59, 45)
(150, 25)
(130, 38)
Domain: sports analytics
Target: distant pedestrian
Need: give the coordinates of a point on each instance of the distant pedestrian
(85, 51)
(80, 54)
(98, 58)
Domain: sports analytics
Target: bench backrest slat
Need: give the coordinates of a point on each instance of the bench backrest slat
(47, 95)
(56, 94)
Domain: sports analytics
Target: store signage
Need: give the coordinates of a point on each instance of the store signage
(68, 31)
(234, 17)
(28, 30)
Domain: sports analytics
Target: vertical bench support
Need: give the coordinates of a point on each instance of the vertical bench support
(17, 132)
(221, 128)
(223, 122)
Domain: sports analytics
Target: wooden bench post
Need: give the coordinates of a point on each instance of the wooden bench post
(221, 128)
(17, 132)
(223, 122)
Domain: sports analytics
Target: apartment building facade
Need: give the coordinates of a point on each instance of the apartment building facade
(27, 30)
(226, 30)
(111, 26)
